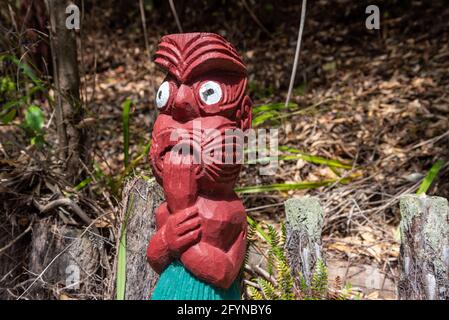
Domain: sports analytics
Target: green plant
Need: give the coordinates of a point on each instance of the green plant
(281, 285)
(7, 93)
(258, 90)
(125, 120)
(292, 186)
(18, 93)
(319, 285)
(7, 87)
(294, 154)
(271, 113)
(431, 175)
(121, 254)
(275, 113)
(115, 182)
(34, 125)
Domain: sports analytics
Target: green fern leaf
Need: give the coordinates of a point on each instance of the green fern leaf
(320, 285)
(268, 289)
(254, 294)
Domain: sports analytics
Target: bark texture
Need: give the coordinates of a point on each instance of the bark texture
(62, 259)
(304, 223)
(12, 256)
(73, 139)
(424, 258)
(140, 198)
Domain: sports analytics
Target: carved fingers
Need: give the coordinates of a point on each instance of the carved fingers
(183, 230)
(179, 180)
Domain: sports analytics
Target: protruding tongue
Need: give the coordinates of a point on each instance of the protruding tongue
(179, 179)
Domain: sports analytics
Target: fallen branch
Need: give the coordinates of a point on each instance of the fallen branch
(64, 202)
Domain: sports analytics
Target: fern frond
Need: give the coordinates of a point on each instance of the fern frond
(285, 286)
(320, 283)
(303, 285)
(270, 261)
(283, 238)
(285, 280)
(273, 236)
(268, 289)
(254, 294)
(251, 233)
(279, 253)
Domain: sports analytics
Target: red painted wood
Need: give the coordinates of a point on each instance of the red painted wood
(203, 222)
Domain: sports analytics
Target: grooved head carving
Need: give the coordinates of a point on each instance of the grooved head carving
(204, 89)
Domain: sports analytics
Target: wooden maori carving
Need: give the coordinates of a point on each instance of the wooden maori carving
(199, 246)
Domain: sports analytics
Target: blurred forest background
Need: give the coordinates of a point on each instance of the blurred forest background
(367, 119)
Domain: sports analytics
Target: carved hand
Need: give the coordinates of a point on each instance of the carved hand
(176, 233)
(182, 230)
(180, 181)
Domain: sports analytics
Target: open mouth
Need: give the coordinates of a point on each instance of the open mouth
(164, 152)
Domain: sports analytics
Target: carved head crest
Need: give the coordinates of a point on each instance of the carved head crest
(206, 76)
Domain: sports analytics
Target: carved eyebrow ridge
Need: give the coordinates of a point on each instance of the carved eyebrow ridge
(186, 55)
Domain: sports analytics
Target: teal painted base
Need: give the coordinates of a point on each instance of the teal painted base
(177, 283)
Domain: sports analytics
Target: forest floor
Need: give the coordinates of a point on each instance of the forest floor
(376, 99)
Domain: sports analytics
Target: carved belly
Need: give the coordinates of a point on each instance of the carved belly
(221, 221)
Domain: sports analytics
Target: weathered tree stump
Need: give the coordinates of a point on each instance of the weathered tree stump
(62, 257)
(140, 199)
(304, 224)
(424, 258)
(13, 251)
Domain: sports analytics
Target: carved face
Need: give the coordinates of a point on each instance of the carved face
(205, 87)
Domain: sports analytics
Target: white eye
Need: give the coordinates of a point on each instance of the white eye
(210, 92)
(162, 95)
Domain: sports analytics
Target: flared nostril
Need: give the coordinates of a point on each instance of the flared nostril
(184, 113)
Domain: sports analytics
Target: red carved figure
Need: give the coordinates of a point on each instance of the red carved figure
(200, 242)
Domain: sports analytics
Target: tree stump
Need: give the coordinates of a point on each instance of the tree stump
(140, 198)
(424, 258)
(62, 259)
(304, 224)
(12, 255)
